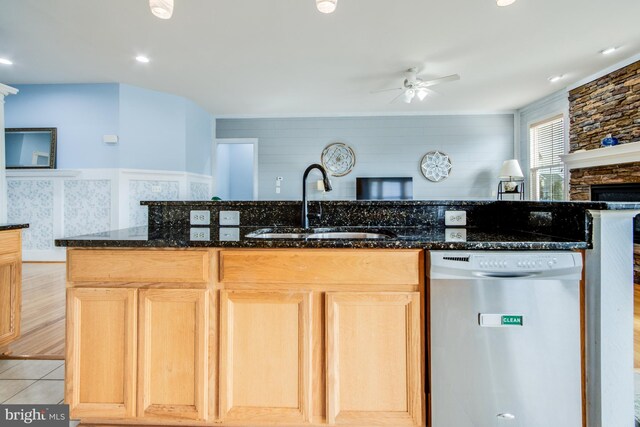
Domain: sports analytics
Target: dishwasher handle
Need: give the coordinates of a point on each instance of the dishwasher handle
(501, 275)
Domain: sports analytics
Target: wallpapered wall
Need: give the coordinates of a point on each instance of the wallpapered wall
(72, 203)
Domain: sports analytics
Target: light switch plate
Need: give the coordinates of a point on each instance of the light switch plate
(229, 218)
(229, 234)
(200, 217)
(455, 218)
(200, 234)
(455, 235)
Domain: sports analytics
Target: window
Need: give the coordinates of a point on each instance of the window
(547, 170)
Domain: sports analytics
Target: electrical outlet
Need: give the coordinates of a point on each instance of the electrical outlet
(229, 234)
(455, 218)
(455, 235)
(229, 218)
(200, 217)
(199, 234)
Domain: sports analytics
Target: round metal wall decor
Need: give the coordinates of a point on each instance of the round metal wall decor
(338, 159)
(435, 166)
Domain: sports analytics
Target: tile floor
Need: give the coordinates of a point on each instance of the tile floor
(32, 381)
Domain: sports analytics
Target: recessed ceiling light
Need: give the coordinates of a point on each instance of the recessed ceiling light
(142, 58)
(5, 61)
(554, 79)
(326, 6)
(608, 50)
(504, 2)
(163, 9)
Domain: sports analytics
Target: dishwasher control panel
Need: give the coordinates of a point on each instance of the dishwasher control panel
(518, 262)
(511, 261)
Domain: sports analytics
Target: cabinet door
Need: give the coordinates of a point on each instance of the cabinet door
(373, 358)
(101, 348)
(265, 356)
(10, 286)
(173, 349)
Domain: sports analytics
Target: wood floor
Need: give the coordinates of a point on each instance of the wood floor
(43, 313)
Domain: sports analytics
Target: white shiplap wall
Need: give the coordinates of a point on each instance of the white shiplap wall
(384, 146)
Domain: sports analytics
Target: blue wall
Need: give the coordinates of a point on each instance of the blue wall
(152, 133)
(199, 138)
(82, 114)
(156, 130)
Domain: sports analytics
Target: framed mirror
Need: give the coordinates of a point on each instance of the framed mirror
(30, 148)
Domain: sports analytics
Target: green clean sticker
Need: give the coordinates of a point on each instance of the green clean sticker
(511, 320)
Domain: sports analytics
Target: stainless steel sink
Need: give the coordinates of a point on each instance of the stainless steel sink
(320, 234)
(259, 235)
(347, 235)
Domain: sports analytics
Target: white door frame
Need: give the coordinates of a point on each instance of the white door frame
(214, 151)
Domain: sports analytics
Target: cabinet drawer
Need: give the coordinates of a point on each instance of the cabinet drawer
(9, 241)
(322, 266)
(137, 266)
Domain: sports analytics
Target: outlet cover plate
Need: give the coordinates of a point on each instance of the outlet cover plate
(201, 234)
(229, 234)
(455, 218)
(455, 235)
(200, 217)
(229, 218)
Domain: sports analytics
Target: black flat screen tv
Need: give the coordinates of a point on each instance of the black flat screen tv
(387, 188)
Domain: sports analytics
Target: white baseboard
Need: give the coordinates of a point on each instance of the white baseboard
(51, 255)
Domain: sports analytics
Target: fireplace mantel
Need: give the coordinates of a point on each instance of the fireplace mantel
(623, 153)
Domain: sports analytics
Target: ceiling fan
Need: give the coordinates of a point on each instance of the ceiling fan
(413, 86)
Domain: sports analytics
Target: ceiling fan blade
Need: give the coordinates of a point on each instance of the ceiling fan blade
(385, 90)
(396, 98)
(446, 79)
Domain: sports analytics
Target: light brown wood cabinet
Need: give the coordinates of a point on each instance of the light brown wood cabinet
(172, 353)
(10, 285)
(101, 352)
(321, 336)
(373, 358)
(265, 356)
(136, 349)
(254, 337)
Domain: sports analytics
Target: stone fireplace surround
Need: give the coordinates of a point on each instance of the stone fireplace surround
(582, 179)
(609, 104)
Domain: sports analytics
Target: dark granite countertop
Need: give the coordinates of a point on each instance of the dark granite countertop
(401, 203)
(490, 224)
(405, 238)
(4, 227)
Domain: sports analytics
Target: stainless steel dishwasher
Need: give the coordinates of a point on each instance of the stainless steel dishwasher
(505, 339)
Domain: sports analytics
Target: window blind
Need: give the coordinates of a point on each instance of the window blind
(547, 143)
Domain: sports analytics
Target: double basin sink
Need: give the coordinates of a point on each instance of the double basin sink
(321, 234)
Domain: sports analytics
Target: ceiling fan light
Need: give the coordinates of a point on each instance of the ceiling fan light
(422, 94)
(163, 9)
(504, 2)
(326, 6)
(408, 95)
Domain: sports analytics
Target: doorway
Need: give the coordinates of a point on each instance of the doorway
(236, 169)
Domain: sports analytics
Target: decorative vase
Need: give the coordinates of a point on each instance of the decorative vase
(510, 186)
(609, 141)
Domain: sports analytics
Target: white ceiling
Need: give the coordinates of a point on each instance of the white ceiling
(283, 57)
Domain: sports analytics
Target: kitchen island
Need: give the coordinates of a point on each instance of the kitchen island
(164, 327)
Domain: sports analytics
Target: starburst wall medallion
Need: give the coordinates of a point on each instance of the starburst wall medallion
(435, 166)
